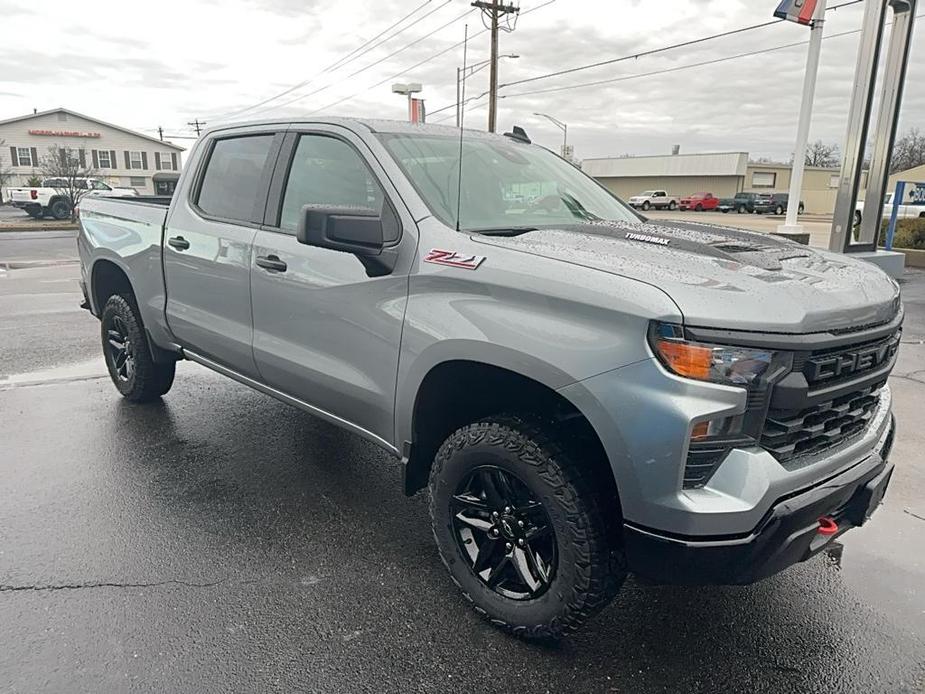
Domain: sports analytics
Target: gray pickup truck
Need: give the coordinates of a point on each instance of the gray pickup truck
(586, 393)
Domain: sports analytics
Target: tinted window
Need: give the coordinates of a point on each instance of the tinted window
(327, 171)
(231, 182)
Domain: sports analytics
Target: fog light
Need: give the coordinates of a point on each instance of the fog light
(714, 428)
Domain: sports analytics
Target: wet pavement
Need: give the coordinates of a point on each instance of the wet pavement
(222, 541)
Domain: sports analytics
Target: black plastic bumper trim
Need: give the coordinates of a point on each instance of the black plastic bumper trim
(788, 534)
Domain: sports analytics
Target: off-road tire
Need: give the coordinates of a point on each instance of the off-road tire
(149, 380)
(590, 565)
(59, 209)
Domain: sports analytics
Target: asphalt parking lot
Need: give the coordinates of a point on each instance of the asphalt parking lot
(222, 541)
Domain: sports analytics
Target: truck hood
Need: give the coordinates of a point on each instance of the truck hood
(723, 277)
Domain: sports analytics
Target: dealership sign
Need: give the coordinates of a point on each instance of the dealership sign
(800, 11)
(64, 133)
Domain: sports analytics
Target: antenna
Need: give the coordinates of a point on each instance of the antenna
(462, 114)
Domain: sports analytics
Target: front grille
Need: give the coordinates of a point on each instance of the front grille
(789, 434)
(845, 363)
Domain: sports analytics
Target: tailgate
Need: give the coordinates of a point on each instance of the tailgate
(21, 195)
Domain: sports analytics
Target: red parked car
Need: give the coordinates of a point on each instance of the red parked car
(699, 202)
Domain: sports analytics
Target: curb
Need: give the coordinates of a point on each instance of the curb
(26, 264)
(4, 229)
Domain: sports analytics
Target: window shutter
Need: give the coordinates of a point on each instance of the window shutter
(173, 160)
(157, 161)
(144, 160)
(96, 159)
(128, 160)
(113, 162)
(82, 157)
(14, 157)
(35, 156)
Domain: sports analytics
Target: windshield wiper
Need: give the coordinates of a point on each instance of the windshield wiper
(504, 231)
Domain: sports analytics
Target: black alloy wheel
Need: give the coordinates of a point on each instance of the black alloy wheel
(779, 210)
(505, 532)
(120, 352)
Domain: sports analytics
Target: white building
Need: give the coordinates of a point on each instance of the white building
(118, 156)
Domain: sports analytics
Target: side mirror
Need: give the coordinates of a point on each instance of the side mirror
(360, 231)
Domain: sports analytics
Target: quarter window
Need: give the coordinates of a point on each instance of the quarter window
(327, 171)
(231, 182)
(104, 159)
(24, 155)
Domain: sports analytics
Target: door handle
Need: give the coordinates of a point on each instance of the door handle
(178, 242)
(271, 262)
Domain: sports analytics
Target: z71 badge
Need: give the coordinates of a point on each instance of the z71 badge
(453, 259)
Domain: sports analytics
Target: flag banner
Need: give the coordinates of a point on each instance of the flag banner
(417, 113)
(799, 11)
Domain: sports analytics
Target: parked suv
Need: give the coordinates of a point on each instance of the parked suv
(775, 203)
(584, 392)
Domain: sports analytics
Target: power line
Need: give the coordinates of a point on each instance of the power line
(348, 58)
(634, 56)
(371, 65)
(655, 51)
(423, 62)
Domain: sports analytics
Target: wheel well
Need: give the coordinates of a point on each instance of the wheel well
(457, 393)
(108, 279)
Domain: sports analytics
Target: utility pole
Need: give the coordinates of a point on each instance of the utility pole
(494, 10)
(160, 133)
(197, 126)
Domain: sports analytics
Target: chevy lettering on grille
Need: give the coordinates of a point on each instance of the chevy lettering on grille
(827, 366)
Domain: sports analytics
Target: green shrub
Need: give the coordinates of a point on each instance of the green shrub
(910, 233)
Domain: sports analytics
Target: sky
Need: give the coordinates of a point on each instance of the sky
(145, 65)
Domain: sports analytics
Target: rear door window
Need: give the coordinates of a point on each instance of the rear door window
(232, 180)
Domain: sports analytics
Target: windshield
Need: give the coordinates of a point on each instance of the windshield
(504, 184)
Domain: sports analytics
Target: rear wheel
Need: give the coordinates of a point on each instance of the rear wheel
(132, 370)
(522, 528)
(35, 212)
(699, 208)
(672, 205)
(741, 209)
(779, 210)
(857, 218)
(60, 209)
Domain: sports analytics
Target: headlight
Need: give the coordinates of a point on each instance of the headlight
(735, 366)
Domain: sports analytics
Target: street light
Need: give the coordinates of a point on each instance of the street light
(408, 90)
(562, 126)
(471, 70)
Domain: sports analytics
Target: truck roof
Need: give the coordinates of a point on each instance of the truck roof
(373, 125)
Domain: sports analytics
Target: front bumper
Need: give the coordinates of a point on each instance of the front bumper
(788, 534)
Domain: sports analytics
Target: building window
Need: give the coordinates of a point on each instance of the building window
(834, 181)
(136, 161)
(24, 155)
(104, 159)
(137, 181)
(166, 161)
(764, 179)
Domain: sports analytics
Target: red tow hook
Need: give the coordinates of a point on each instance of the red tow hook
(827, 526)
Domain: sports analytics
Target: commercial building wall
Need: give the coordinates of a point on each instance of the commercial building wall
(721, 186)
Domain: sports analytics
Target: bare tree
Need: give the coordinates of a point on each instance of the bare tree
(819, 153)
(908, 151)
(6, 173)
(66, 170)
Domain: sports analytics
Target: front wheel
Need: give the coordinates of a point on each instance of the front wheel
(779, 210)
(132, 370)
(699, 208)
(646, 206)
(522, 528)
(741, 209)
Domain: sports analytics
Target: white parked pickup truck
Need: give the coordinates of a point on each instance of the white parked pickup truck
(917, 210)
(51, 198)
(659, 199)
